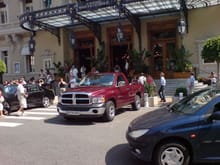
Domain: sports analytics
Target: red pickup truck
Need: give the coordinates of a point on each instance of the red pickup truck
(100, 95)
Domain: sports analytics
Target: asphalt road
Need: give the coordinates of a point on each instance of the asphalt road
(41, 137)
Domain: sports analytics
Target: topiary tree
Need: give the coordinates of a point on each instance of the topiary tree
(211, 51)
(2, 70)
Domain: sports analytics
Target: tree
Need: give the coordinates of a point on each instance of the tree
(2, 70)
(211, 51)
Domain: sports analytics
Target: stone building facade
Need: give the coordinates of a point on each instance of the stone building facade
(162, 29)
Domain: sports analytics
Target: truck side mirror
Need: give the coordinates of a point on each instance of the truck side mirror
(121, 83)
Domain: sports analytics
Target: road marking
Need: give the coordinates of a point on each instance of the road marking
(9, 124)
(25, 117)
(40, 113)
(46, 109)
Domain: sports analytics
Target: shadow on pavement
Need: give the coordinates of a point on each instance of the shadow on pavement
(59, 120)
(120, 155)
(81, 121)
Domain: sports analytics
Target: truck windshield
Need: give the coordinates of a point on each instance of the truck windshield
(97, 80)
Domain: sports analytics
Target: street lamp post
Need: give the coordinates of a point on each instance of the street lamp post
(72, 39)
(182, 27)
(32, 44)
(119, 33)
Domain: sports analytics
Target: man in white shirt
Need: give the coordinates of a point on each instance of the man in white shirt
(142, 79)
(74, 73)
(162, 87)
(21, 95)
(191, 83)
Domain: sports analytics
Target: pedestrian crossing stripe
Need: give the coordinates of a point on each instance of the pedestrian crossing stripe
(25, 117)
(41, 113)
(9, 124)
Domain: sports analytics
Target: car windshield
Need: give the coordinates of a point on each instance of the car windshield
(97, 79)
(194, 102)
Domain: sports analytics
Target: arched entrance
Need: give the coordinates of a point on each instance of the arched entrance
(84, 49)
(162, 43)
(116, 49)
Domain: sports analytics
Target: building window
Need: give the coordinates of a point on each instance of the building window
(30, 63)
(3, 13)
(47, 63)
(28, 6)
(17, 67)
(4, 57)
(47, 3)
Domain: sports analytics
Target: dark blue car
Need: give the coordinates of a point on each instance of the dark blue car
(184, 132)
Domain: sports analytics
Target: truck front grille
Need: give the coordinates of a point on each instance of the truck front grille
(75, 98)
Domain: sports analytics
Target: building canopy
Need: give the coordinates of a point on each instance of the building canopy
(93, 12)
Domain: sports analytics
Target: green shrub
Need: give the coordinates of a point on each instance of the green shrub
(181, 90)
(150, 89)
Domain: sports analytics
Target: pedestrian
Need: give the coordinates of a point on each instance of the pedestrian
(161, 91)
(213, 78)
(42, 75)
(93, 70)
(83, 71)
(117, 68)
(73, 73)
(66, 71)
(191, 83)
(62, 85)
(142, 79)
(1, 104)
(125, 62)
(22, 97)
(49, 79)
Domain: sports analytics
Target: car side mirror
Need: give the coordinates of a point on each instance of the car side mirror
(215, 115)
(121, 83)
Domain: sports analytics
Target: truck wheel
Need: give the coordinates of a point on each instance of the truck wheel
(136, 105)
(172, 153)
(109, 111)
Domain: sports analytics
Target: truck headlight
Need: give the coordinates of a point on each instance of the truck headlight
(96, 100)
(138, 133)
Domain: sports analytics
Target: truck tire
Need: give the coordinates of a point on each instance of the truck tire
(136, 105)
(109, 111)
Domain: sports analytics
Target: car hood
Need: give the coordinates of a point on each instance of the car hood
(155, 118)
(89, 89)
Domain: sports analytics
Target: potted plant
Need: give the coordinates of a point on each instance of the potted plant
(180, 92)
(150, 89)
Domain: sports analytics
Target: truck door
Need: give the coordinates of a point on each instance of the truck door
(123, 91)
